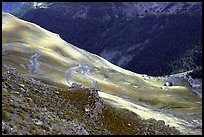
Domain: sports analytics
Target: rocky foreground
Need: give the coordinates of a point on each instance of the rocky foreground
(34, 107)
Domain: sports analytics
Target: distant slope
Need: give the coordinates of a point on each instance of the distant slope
(43, 55)
(152, 38)
(10, 6)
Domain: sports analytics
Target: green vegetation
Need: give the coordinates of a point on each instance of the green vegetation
(191, 60)
(5, 116)
(117, 121)
(196, 73)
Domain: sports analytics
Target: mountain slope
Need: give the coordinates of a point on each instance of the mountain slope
(10, 6)
(130, 34)
(31, 107)
(44, 56)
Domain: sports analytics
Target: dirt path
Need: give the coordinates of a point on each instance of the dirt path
(86, 68)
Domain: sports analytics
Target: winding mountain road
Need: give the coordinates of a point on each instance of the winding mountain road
(86, 68)
(33, 61)
(68, 73)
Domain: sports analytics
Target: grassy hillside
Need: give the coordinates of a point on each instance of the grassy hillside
(146, 96)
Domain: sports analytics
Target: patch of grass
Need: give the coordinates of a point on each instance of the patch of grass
(25, 109)
(154, 101)
(5, 117)
(14, 105)
(22, 114)
(117, 120)
(16, 122)
(32, 115)
(77, 96)
(44, 127)
(10, 111)
(5, 131)
(74, 95)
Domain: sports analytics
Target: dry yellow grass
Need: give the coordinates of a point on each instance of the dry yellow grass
(57, 56)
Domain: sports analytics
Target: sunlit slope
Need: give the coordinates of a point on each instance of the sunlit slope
(22, 39)
(44, 55)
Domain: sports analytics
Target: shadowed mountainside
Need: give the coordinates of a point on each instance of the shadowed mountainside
(154, 38)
